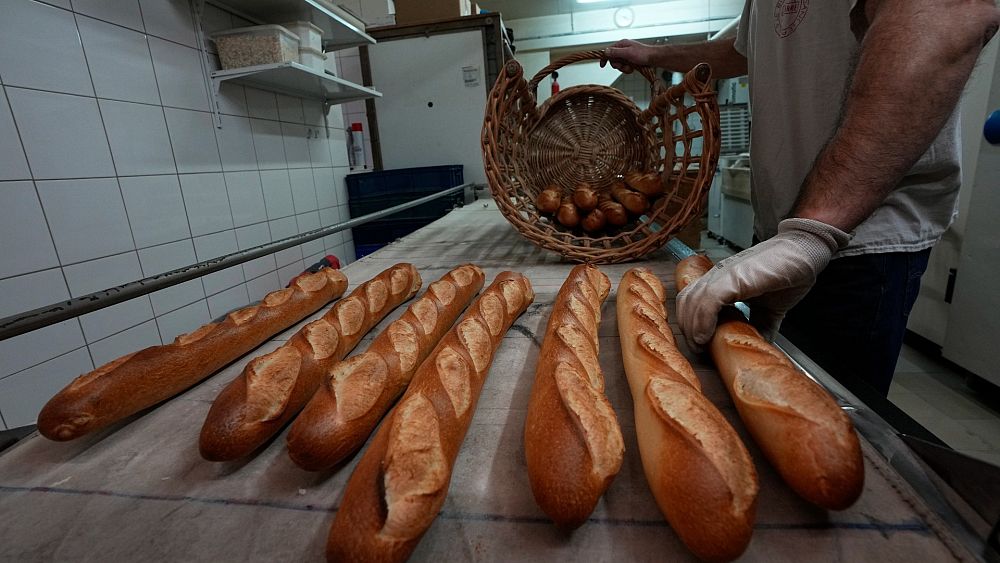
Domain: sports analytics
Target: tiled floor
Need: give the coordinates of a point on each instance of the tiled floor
(935, 394)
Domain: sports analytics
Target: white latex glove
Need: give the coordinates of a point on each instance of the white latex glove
(771, 277)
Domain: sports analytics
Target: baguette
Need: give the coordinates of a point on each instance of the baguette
(698, 469)
(131, 383)
(402, 479)
(633, 201)
(572, 440)
(613, 211)
(359, 391)
(274, 387)
(594, 222)
(798, 425)
(648, 184)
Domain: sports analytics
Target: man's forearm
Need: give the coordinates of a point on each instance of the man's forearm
(725, 60)
(915, 59)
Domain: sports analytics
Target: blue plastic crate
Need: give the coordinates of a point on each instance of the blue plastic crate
(386, 230)
(362, 250)
(414, 182)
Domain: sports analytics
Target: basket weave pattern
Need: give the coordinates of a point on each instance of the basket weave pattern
(596, 134)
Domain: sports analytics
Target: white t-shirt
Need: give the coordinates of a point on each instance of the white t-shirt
(801, 54)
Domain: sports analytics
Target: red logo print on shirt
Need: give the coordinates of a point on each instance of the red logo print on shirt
(788, 14)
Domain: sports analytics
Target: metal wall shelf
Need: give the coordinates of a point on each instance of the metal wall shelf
(340, 29)
(294, 79)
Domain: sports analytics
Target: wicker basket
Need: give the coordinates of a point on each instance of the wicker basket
(596, 134)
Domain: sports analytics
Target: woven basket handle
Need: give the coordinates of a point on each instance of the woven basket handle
(697, 82)
(598, 55)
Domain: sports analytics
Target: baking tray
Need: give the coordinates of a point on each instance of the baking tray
(140, 491)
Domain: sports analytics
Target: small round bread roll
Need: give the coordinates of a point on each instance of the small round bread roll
(568, 215)
(614, 212)
(648, 184)
(548, 200)
(634, 202)
(585, 197)
(594, 222)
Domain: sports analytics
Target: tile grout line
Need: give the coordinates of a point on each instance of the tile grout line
(73, 10)
(157, 245)
(55, 179)
(121, 100)
(180, 185)
(114, 165)
(41, 206)
(180, 190)
(78, 348)
(253, 147)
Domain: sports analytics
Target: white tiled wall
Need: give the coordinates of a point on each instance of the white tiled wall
(636, 87)
(111, 169)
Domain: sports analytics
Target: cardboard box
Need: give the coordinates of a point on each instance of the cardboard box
(376, 13)
(419, 11)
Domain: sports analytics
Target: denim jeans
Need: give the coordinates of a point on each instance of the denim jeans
(853, 320)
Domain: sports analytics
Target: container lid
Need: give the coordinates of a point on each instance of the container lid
(315, 27)
(356, 127)
(314, 51)
(270, 28)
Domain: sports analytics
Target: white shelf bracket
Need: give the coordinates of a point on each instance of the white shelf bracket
(213, 86)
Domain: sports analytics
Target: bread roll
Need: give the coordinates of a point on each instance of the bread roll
(568, 215)
(358, 391)
(548, 200)
(698, 469)
(648, 184)
(131, 383)
(798, 425)
(274, 387)
(402, 479)
(614, 212)
(572, 441)
(634, 202)
(584, 197)
(594, 222)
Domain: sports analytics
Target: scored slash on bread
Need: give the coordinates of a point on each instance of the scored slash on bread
(142, 379)
(357, 392)
(572, 441)
(274, 387)
(698, 469)
(797, 424)
(402, 479)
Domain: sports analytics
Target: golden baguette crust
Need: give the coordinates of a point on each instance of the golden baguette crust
(402, 479)
(358, 391)
(698, 469)
(797, 424)
(137, 381)
(274, 387)
(572, 442)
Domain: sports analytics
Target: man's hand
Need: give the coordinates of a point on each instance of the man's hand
(771, 277)
(626, 54)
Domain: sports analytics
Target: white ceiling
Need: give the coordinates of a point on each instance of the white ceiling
(518, 9)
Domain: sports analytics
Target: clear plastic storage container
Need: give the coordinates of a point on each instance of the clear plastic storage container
(258, 45)
(310, 36)
(313, 58)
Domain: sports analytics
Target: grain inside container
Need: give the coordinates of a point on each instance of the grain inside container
(257, 45)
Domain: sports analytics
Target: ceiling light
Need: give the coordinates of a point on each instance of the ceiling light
(590, 1)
